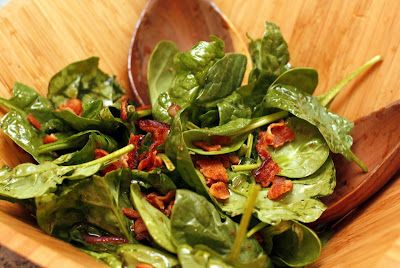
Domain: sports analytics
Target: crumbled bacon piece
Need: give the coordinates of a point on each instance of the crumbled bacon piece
(33, 121)
(266, 173)
(104, 239)
(120, 163)
(234, 159)
(74, 105)
(144, 265)
(220, 190)
(221, 140)
(206, 146)
(143, 107)
(140, 230)
(124, 111)
(168, 210)
(49, 138)
(151, 161)
(213, 169)
(130, 213)
(132, 155)
(159, 131)
(280, 186)
(162, 203)
(173, 109)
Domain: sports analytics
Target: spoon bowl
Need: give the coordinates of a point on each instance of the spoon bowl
(377, 142)
(181, 21)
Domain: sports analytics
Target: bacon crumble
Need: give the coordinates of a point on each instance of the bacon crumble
(49, 138)
(91, 239)
(124, 106)
(33, 121)
(207, 146)
(220, 190)
(280, 187)
(74, 105)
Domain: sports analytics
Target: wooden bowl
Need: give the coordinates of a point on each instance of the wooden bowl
(37, 38)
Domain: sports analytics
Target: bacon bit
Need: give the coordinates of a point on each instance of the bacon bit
(132, 155)
(104, 239)
(221, 140)
(144, 265)
(234, 159)
(73, 105)
(220, 190)
(168, 210)
(173, 109)
(206, 146)
(124, 105)
(280, 186)
(213, 169)
(151, 161)
(140, 229)
(33, 121)
(49, 138)
(143, 107)
(120, 163)
(130, 213)
(266, 173)
(159, 131)
(162, 203)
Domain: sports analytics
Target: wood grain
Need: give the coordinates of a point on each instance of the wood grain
(37, 38)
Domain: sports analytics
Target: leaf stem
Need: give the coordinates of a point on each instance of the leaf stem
(106, 159)
(261, 121)
(256, 228)
(249, 145)
(244, 223)
(246, 167)
(191, 125)
(143, 113)
(358, 161)
(326, 98)
(167, 162)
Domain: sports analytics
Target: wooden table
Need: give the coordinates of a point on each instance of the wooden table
(37, 38)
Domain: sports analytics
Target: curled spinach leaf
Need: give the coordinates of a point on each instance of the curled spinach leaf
(305, 79)
(335, 129)
(305, 154)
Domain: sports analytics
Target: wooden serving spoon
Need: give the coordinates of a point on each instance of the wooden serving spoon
(185, 22)
(377, 142)
(376, 136)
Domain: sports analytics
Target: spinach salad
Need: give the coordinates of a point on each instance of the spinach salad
(214, 173)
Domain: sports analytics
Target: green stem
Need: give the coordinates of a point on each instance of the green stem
(326, 98)
(167, 162)
(358, 161)
(256, 228)
(261, 121)
(244, 223)
(249, 145)
(191, 125)
(246, 167)
(107, 159)
(144, 113)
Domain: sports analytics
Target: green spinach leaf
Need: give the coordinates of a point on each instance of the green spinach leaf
(305, 154)
(111, 259)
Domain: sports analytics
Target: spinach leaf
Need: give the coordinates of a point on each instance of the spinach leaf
(29, 180)
(335, 129)
(134, 254)
(154, 179)
(160, 107)
(269, 54)
(83, 80)
(79, 140)
(15, 125)
(111, 259)
(236, 129)
(156, 222)
(232, 107)
(199, 258)
(291, 244)
(305, 79)
(92, 108)
(305, 154)
(103, 199)
(60, 211)
(195, 222)
(223, 78)
(160, 71)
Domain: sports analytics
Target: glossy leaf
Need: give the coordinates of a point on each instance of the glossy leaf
(156, 222)
(305, 79)
(111, 259)
(155, 179)
(134, 254)
(305, 154)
